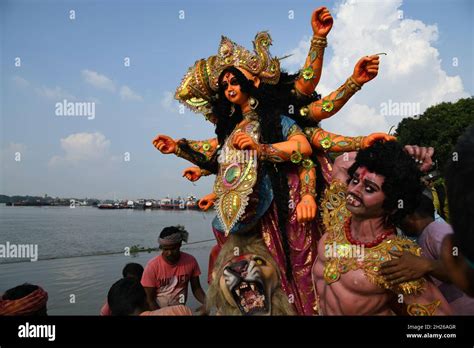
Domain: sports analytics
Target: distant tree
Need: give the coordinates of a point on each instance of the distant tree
(4, 199)
(439, 126)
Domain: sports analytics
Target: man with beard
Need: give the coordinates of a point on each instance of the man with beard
(360, 210)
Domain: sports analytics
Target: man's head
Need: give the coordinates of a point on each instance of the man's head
(458, 249)
(127, 297)
(413, 224)
(133, 270)
(383, 182)
(26, 299)
(170, 241)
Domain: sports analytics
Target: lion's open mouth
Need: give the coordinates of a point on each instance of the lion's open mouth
(250, 297)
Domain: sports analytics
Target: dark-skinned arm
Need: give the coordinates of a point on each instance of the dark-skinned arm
(198, 292)
(151, 298)
(407, 267)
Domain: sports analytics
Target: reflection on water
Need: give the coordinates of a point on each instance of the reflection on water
(65, 232)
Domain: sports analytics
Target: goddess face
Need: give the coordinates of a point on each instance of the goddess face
(232, 90)
(364, 194)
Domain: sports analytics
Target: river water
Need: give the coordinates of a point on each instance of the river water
(75, 264)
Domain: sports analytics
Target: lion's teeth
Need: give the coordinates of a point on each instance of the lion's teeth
(238, 292)
(253, 287)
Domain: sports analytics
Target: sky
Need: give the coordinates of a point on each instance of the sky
(77, 51)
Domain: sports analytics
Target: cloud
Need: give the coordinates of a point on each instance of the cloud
(297, 56)
(411, 71)
(20, 81)
(54, 93)
(83, 147)
(169, 103)
(360, 116)
(98, 81)
(103, 82)
(126, 93)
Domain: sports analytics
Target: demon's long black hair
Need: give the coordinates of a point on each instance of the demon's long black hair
(273, 101)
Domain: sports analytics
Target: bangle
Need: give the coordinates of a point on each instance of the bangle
(180, 153)
(205, 172)
(266, 152)
(318, 41)
(358, 142)
(352, 85)
(308, 188)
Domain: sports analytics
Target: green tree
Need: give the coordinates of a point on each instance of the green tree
(439, 126)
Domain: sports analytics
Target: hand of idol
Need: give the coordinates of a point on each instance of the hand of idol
(321, 22)
(164, 144)
(372, 138)
(207, 201)
(366, 69)
(243, 141)
(192, 173)
(306, 209)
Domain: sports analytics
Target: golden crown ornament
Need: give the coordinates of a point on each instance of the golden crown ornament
(200, 84)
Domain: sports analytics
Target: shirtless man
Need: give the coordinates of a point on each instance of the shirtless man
(359, 219)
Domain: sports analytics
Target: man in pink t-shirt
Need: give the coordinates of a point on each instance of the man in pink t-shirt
(166, 277)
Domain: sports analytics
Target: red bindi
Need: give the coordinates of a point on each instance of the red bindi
(363, 173)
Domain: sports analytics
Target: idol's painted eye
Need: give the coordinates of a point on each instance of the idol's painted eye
(224, 85)
(234, 81)
(259, 261)
(355, 180)
(369, 189)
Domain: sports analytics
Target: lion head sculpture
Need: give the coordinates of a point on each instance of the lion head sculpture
(246, 281)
